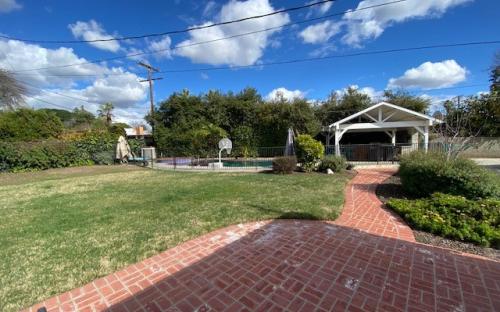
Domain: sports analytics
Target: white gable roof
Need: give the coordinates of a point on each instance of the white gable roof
(402, 112)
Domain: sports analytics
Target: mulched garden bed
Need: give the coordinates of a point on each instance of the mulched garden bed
(392, 188)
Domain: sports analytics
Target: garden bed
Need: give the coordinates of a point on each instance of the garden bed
(392, 188)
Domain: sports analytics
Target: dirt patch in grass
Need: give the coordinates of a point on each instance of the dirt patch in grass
(392, 188)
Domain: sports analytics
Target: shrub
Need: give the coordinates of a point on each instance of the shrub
(136, 145)
(333, 162)
(423, 174)
(29, 125)
(284, 165)
(96, 141)
(24, 156)
(104, 158)
(476, 221)
(309, 151)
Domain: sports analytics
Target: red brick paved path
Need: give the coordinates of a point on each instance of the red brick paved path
(295, 265)
(363, 210)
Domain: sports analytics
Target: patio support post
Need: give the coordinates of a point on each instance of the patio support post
(426, 138)
(393, 138)
(337, 141)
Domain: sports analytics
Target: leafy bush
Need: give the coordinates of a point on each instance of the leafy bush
(104, 158)
(136, 145)
(96, 141)
(29, 125)
(423, 174)
(333, 162)
(455, 217)
(284, 165)
(23, 156)
(93, 147)
(309, 151)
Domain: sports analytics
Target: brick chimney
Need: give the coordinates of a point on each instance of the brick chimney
(139, 130)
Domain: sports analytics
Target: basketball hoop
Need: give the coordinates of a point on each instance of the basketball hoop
(224, 144)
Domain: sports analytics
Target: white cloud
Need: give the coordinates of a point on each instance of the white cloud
(162, 45)
(21, 56)
(319, 9)
(371, 23)
(286, 94)
(323, 50)
(361, 25)
(321, 32)
(93, 31)
(431, 75)
(135, 54)
(123, 88)
(7, 6)
(115, 85)
(209, 8)
(325, 7)
(204, 76)
(245, 50)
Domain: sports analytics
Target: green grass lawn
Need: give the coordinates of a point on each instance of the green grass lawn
(63, 228)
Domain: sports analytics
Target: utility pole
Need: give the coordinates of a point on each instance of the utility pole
(150, 79)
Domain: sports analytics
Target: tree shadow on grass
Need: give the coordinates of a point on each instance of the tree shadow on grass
(287, 214)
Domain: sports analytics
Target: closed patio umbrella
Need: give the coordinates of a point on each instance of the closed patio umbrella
(123, 150)
(289, 150)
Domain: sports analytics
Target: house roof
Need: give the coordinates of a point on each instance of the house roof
(134, 132)
(389, 113)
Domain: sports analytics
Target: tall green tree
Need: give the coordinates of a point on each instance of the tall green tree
(495, 74)
(337, 107)
(105, 111)
(404, 99)
(482, 112)
(11, 91)
(276, 116)
(65, 115)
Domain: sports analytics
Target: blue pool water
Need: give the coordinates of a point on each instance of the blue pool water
(248, 163)
(263, 163)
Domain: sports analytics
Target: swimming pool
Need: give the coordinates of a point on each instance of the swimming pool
(206, 163)
(248, 163)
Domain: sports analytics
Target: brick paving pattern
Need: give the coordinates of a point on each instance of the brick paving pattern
(364, 211)
(288, 265)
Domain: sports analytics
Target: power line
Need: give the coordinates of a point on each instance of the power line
(60, 94)
(46, 102)
(302, 60)
(130, 55)
(171, 32)
(375, 52)
(459, 87)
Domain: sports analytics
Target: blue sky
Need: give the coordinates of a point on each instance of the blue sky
(438, 73)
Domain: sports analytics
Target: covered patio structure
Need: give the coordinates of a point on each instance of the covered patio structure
(384, 118)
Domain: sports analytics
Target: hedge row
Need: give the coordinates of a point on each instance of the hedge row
(92, 148)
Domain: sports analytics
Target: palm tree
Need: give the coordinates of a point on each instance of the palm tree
(105, 111)
(11, 91)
